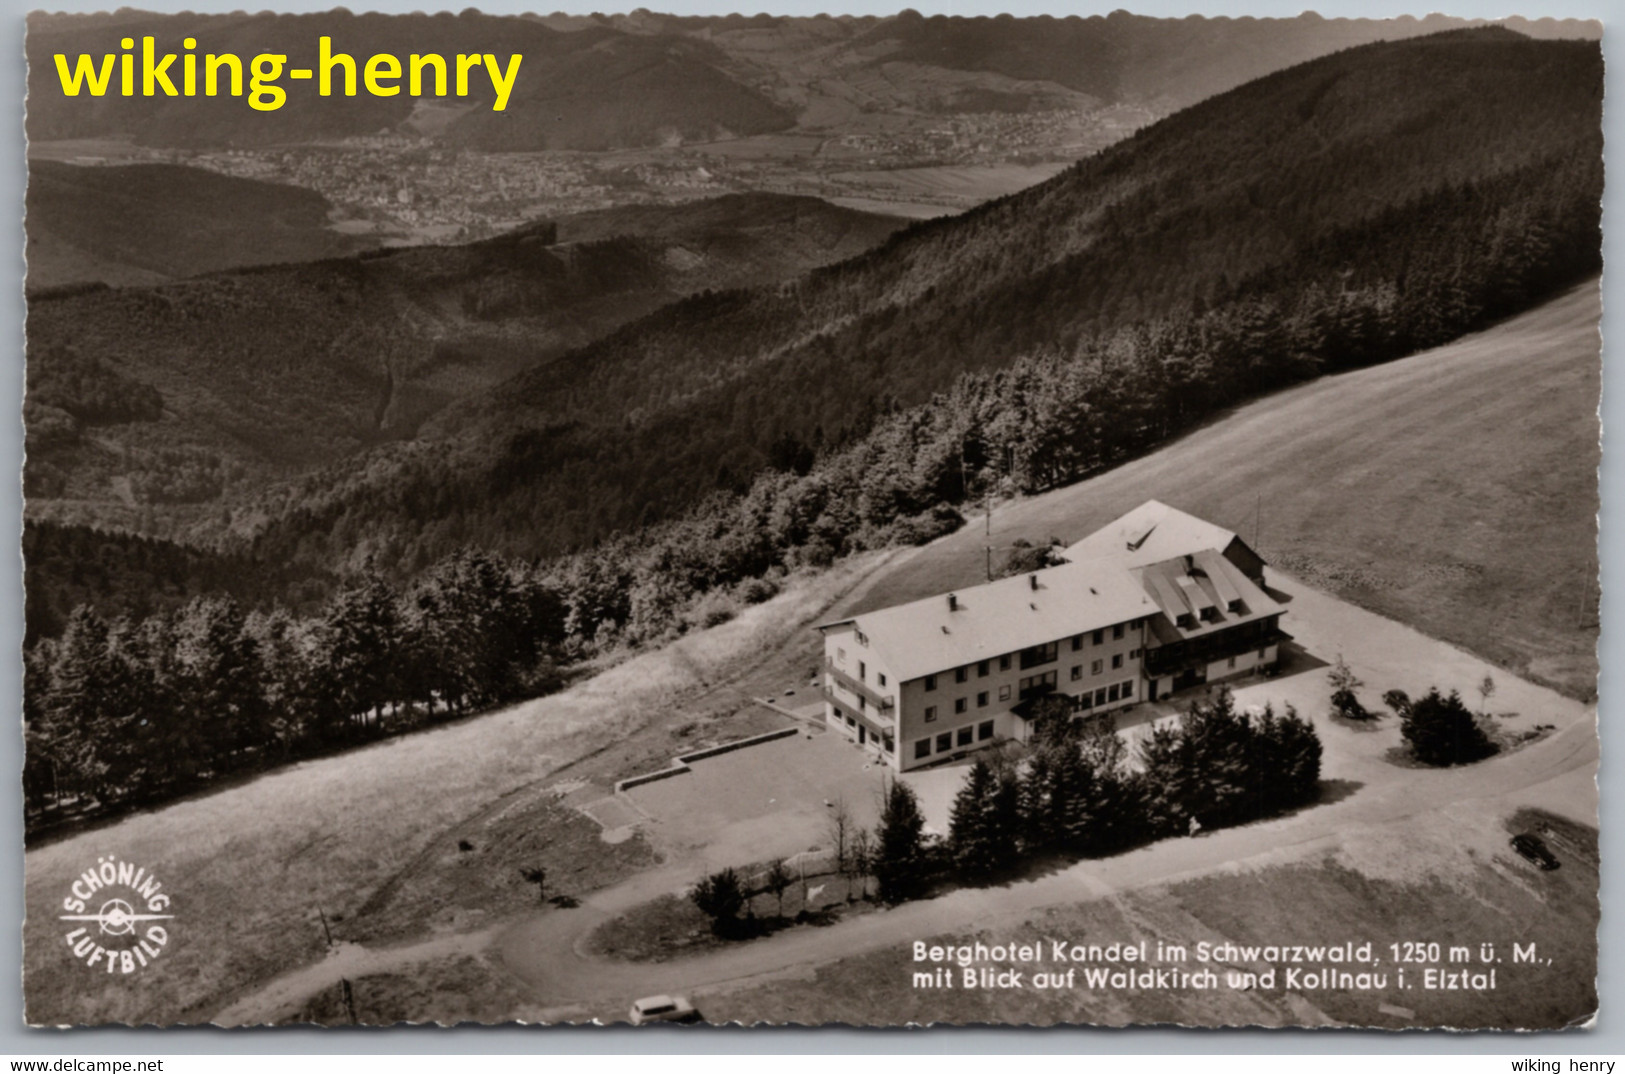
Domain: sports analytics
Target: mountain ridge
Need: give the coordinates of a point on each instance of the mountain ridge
(265, 370)
(1370, 203)
(645, 79)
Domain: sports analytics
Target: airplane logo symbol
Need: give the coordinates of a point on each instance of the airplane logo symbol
(117, 917)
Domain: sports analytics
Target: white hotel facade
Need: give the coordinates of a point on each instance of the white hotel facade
(1154, 603)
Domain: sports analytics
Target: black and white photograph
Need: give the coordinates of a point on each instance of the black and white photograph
(896, 520)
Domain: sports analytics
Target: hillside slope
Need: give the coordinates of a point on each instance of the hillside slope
(1455, 490)
(267, 371)
(1347, 211)
(143, 223)
(865, 73)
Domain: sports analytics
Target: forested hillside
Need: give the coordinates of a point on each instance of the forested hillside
(1346, 211)
(260, 373)
(121, 574)
(143, 223)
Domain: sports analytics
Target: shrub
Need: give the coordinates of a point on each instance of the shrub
(1345, 702)
(1024, 558)
(757, 590)
(711, 610)
(720, 897)
(1442, 731)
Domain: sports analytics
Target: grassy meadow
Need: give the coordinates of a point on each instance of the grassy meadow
(253, 868)
(1455, 491)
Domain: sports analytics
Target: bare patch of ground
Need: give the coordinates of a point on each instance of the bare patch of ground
(464, 989)
(474, 873)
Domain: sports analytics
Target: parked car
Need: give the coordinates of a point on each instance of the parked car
(663, 1009)
(1534, 848)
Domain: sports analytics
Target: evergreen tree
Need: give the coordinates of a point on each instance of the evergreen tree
(982, 833)
(220, 685)
(358, 656)
(75, 716)
(1220, 767)
(720, 896)
(898, 864)
(1442, 731)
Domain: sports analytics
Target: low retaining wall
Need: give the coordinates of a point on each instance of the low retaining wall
(677, 769)
(680, 764)
(738, 744)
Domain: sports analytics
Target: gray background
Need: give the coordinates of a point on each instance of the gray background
(1608, 1035)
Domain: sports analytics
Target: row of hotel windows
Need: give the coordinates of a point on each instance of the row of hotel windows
(959, 739)
(1035, 656)
(952, 740)
(1035, 684)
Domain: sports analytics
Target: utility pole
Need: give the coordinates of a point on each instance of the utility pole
(348, 992)
(987, 522)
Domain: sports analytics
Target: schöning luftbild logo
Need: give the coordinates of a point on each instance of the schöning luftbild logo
(116, 908)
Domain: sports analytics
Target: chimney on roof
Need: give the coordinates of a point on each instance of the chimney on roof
(953, 602)
(1033, 578)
